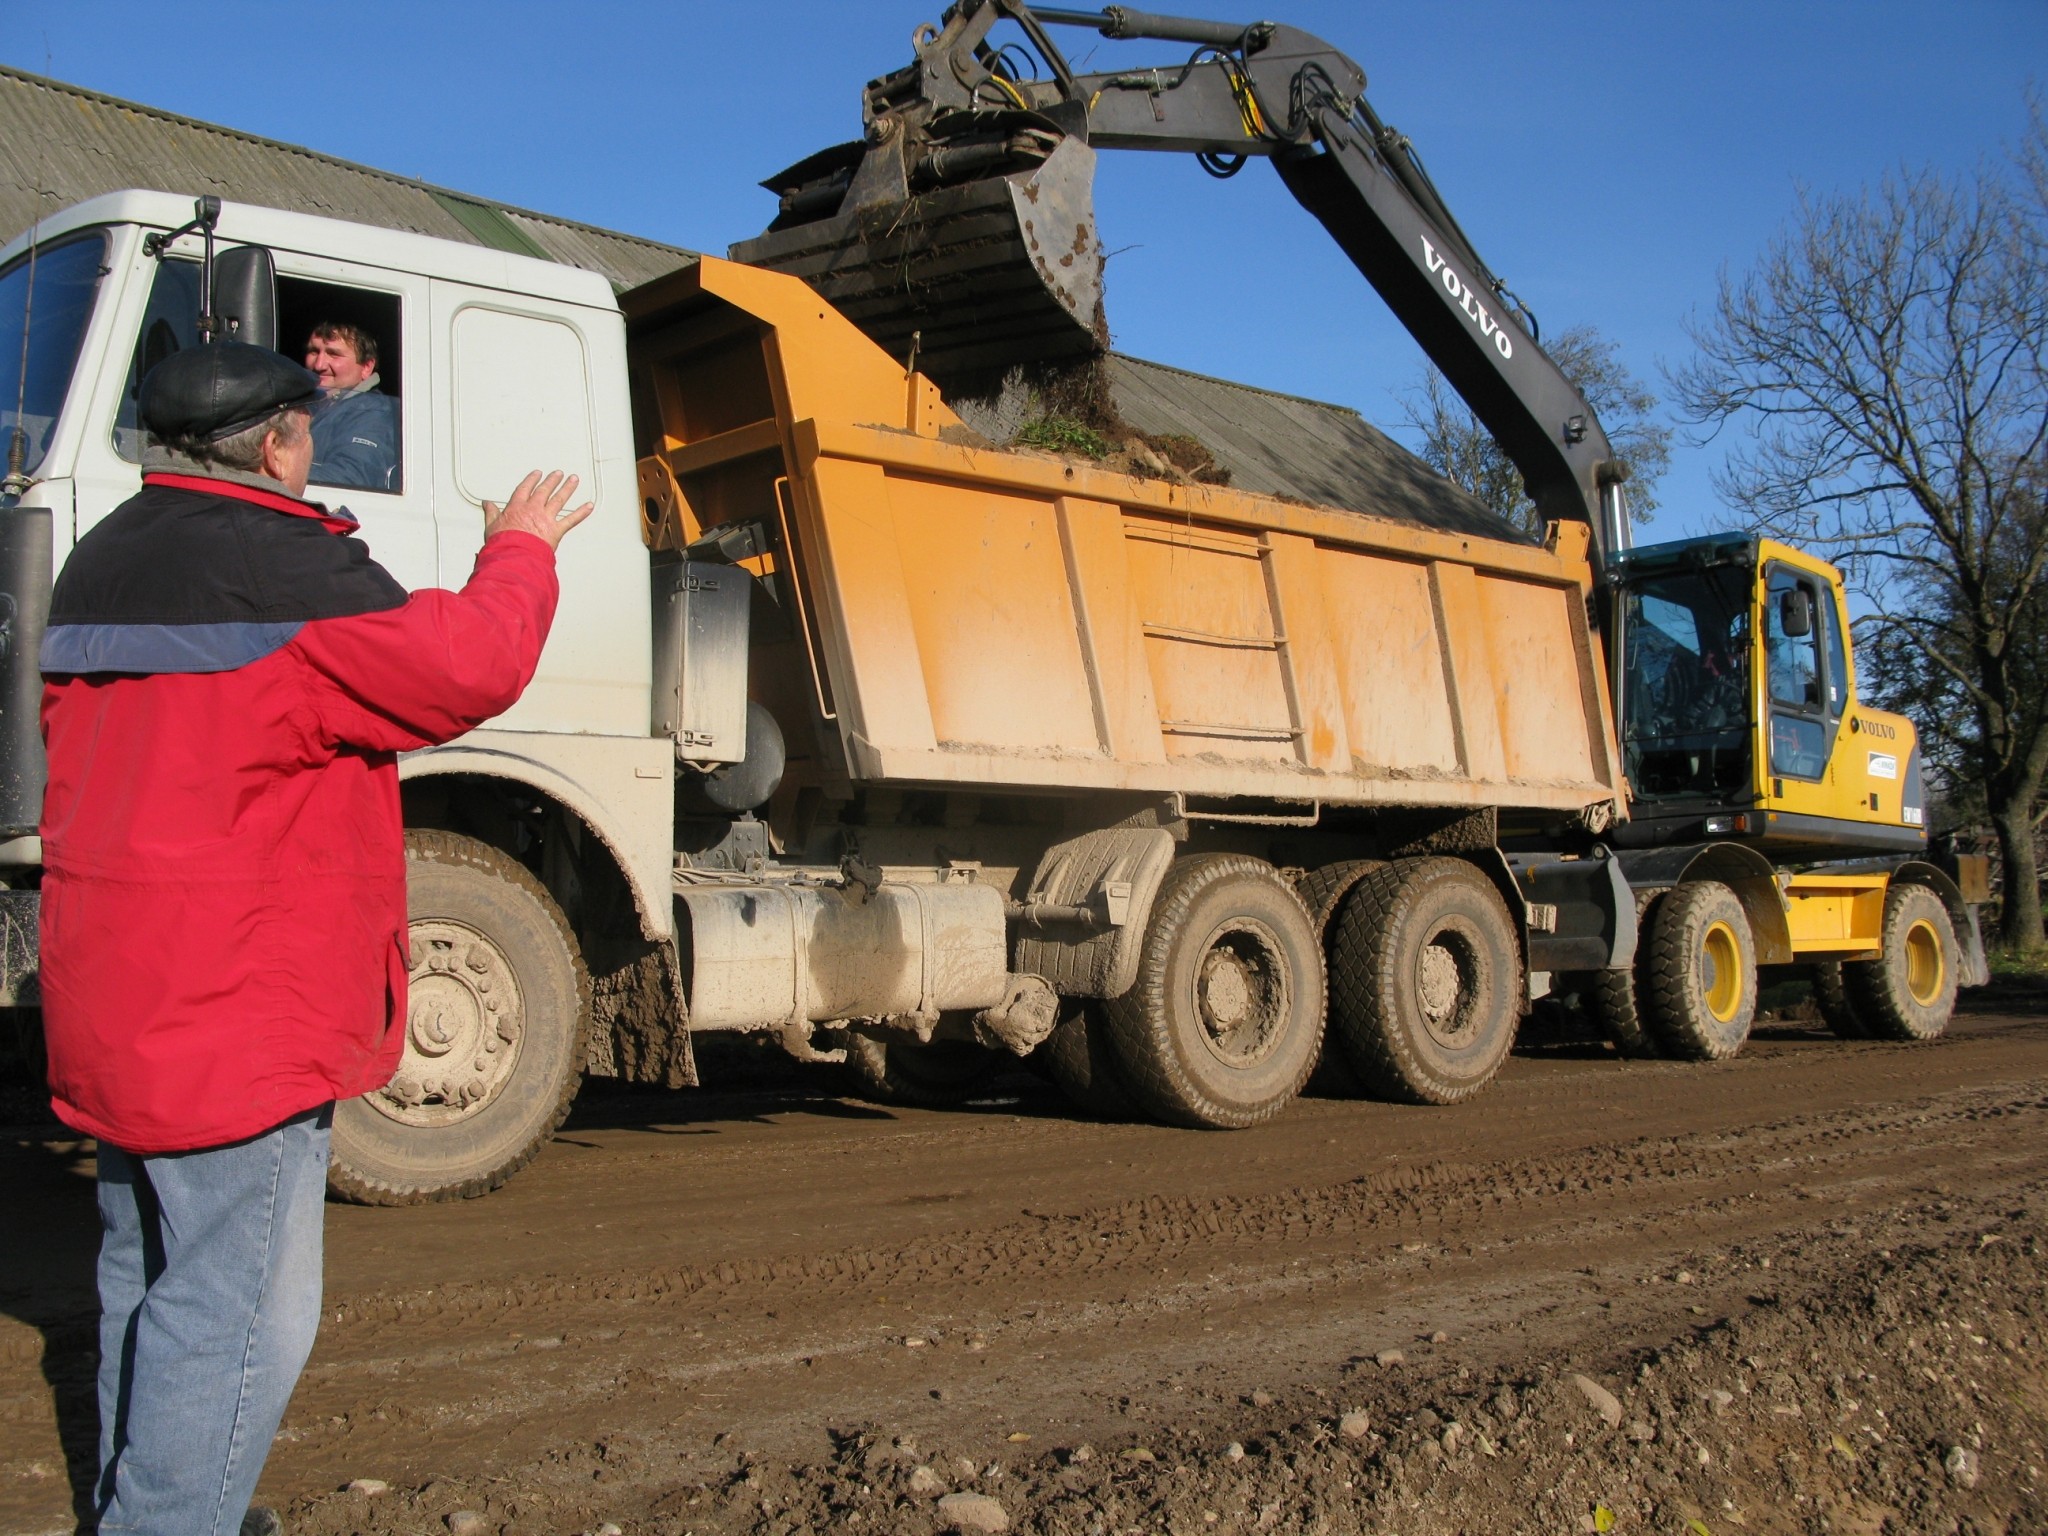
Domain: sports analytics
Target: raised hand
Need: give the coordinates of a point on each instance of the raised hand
(536, 508)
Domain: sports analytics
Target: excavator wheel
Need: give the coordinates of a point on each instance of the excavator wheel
(1427, 981)
(1696, 972)
(1223, 1024)
(1909, 991)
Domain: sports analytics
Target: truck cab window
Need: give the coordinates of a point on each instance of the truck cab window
(1793, 619)
(1838, 657)
(352, 337)
(66, 278)
(170, 324)
(356, 436)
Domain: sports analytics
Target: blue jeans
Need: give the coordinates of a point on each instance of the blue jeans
(209, 1299)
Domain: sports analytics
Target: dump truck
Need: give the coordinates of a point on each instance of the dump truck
(921, 753)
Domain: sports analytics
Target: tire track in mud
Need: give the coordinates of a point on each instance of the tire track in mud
(1509, 1238)
(1145, 1233)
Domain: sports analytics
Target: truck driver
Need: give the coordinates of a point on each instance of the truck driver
(355, 424)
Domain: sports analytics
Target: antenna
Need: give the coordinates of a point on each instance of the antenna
(16, 480)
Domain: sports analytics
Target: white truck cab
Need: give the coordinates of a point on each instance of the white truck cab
(500, 364)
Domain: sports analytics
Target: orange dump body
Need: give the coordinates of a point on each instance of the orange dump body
(982, 618)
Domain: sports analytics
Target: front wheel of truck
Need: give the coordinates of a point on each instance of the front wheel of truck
(497, 1009)
(1224, 1022)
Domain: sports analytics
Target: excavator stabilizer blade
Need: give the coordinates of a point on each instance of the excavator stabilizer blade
(992, 273)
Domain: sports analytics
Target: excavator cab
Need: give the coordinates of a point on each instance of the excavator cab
(1735, 687)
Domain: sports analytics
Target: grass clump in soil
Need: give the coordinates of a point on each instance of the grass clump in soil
(1063, 434)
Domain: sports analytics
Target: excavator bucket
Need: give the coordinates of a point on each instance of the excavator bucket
(985, 273)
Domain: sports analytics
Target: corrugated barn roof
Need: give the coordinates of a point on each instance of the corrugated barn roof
(60, 145)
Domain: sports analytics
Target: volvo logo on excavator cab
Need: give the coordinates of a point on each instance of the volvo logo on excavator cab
(1461, 294)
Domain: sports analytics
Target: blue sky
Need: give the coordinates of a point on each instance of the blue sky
(1607, 159)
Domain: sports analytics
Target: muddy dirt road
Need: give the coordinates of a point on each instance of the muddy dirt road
(772, 1308)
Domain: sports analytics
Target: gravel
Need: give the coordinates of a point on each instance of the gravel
(975, 1512)
(1602, 1401)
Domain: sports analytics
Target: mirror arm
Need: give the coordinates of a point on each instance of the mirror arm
(205, 215)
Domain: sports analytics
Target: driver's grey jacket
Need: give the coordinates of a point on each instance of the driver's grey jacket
(355, 441)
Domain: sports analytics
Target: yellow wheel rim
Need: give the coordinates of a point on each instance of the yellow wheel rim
(1721, 971)
(1925, 968)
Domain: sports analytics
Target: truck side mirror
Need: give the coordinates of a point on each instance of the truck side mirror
(245, 295)
(1795, 614)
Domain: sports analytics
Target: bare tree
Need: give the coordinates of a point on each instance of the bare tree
(1456, 446)
(1885, 362)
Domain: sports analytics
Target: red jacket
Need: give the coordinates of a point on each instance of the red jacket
(228, 676)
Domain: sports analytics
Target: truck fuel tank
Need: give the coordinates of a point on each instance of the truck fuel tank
(757, 956)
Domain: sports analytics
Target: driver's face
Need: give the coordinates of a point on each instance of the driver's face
(336, 363)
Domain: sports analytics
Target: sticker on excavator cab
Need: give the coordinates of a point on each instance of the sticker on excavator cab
(1911, 815)
(1883, 766)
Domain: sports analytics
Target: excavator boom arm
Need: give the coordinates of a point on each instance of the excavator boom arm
(959, 141)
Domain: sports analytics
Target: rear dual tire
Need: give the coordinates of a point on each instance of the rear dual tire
(937, 1074)
(1426, 981)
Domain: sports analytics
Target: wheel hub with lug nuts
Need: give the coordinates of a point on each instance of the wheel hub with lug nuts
(1240, 994)
(1446, 979)
(464, 1021)
(1439, 982)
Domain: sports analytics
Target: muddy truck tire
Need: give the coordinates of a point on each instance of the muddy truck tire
(496, 1022)
(1427, 981)
(1081, 1061)
(1224, 1022)
(939, 1075)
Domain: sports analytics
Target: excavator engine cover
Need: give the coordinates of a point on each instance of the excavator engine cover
(987, 273)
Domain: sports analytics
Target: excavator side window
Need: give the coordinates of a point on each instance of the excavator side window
(1793, 620)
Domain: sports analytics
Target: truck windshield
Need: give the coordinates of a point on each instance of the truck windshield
(52, 317)
(1685, 686)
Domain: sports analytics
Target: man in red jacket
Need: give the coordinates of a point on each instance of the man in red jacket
(228, 677)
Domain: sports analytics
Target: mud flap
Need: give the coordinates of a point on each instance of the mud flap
(1117, 870)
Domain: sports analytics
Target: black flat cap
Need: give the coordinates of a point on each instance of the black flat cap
(216, 391)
